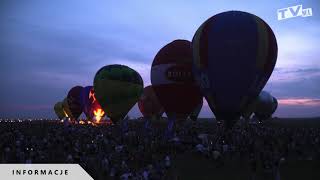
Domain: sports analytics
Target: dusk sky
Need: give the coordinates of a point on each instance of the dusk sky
(47, 47)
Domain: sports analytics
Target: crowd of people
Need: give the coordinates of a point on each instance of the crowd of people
(107, 152)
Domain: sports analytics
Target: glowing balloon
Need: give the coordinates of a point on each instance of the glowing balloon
(91, 106)
(172, 79)
(66, 109)
(86, 101)
(74, 101)
(234, 55)
(117, 88)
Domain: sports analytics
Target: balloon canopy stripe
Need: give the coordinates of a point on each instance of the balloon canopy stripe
(263, 43)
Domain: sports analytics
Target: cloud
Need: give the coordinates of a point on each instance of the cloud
(295, 82)
(299, 102)
(294, 74)
(144, 69)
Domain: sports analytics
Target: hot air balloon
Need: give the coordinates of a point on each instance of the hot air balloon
(172, 80)
(247, 112)
(58, 109)
(195, 113)
(91, 106)
(117, 89)
(266, 106)
(86, 101)
(74, 101)
(234, 55)
(149, 104)
(66, 109)
(275, 107)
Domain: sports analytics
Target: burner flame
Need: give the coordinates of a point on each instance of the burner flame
(99, 113)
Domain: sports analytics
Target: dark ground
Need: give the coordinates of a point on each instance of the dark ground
(193, 167)
(189, 165)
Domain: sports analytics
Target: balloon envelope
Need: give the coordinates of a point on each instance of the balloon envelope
(234, 55)
(149, 104)
(117, 88)
(58, 109)
(90, 103)
(275, 105)
(266, 105)
(74, 101)
(195, 113)
(172, 79)
(86, 100)
(66, 108)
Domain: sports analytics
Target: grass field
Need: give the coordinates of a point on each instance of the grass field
(196, 167)
(190, 166)
(296, 122)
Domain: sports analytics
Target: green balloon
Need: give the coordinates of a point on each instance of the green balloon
(58, 109)
(117, 89)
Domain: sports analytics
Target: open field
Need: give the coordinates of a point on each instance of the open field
(296, 122)
(194, 167)
(188, 165)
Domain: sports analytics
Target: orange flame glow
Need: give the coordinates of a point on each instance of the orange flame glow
(91, 94)
(81, 122)
(65, 113)
(98, 114)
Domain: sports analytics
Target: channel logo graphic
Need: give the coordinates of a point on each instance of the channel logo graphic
(294, 11)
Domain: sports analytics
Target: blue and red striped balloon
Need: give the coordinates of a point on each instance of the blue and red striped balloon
(234, 55)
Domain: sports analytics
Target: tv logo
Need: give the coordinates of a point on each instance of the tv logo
(294, 11)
